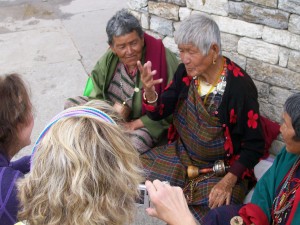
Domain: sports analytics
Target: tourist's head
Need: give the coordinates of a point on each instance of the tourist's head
(16, 120)
(84, 171)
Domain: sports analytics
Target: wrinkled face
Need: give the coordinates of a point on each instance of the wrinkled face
(128, 48)
(195, 62)
(288, 133)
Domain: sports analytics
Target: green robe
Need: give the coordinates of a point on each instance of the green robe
(265, 190)
(100, 80)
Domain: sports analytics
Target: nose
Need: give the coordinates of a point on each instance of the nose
(185, 58)
(129, 49)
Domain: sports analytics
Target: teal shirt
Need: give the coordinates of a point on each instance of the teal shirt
(265, 190)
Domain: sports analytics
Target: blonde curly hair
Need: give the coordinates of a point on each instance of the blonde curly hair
(84, 171)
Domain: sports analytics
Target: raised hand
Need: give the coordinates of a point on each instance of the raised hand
(147, 76)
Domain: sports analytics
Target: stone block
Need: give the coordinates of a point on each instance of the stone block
(270, 111)
(283, 56)
(270, 3)
(238, 27)
(258, 49)
(137, 4)
(273, 75)
(170, 44)
(176, 25)
(229, 42)
(165, 10)
(154, 34)
(145, 21)
(278, 96)
(256, 14)
(218, 7)
(294, 24)
(281, 37)
(263, 90)
(136, 14)
(292, 6)
(184, 12)
(238, 59)
(161, 25)
(175, 2)
(294, 61)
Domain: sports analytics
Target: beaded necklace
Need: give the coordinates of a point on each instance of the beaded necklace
(219, 84)
(285, 198)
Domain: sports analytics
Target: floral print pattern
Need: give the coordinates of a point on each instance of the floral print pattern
(236, 70)
(252, 119)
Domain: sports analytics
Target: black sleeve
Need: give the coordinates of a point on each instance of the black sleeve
(169, 97)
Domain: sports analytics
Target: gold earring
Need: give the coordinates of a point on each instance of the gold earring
(214, 61)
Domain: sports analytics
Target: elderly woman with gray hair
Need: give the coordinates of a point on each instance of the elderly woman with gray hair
(217, 137)
(116, 79)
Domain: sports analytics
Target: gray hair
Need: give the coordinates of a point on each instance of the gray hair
(123, 22)
(199, 30)
(292, 108)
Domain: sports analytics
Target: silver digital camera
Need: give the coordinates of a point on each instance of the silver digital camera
(143, 199)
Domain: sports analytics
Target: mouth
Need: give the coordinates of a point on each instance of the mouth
(189, 70)
(131, 57)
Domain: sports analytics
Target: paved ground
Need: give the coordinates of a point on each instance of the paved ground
(54, 44)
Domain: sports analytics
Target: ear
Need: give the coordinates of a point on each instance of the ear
(215, 49)
(112, 48)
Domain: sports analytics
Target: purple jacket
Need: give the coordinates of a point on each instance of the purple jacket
(9, 173)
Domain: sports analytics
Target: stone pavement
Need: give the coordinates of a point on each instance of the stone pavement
(54, 44)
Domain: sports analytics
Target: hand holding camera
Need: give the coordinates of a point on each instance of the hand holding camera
(168, 204)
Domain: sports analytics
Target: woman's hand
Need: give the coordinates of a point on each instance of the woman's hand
(147, 77)
(222, 191)
(169, 204)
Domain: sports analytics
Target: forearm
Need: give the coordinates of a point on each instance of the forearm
(185, 220)
(230, 179)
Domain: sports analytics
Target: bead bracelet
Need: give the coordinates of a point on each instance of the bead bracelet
(150, 102)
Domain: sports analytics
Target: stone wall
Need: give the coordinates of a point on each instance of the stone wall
(262, 36)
